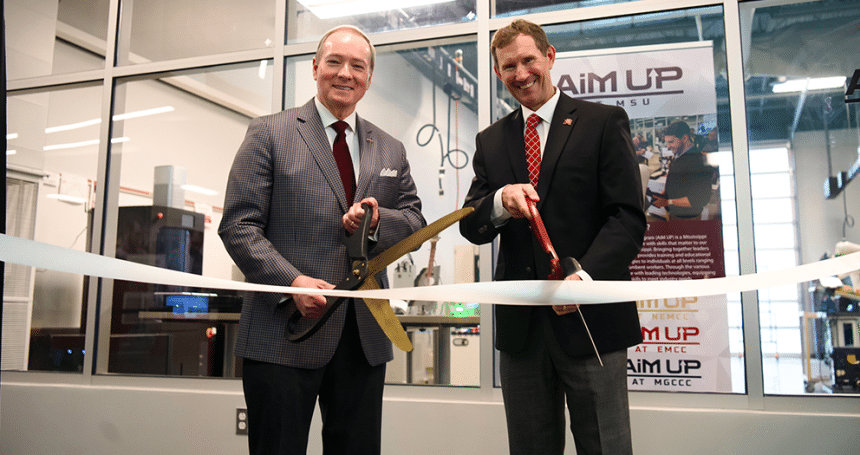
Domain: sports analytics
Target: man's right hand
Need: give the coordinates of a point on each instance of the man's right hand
(311, 306)
(514, 199)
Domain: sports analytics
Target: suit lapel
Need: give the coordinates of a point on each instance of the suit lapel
(516, 146)
(563, 120)
(367, 147)
(312, 131)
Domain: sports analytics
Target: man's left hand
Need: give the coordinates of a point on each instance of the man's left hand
(562, 310)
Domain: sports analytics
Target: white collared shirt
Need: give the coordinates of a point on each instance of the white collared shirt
(545, 113)
(328, 120)
(501, 216)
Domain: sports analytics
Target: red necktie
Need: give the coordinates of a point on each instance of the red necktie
(344, 162)
(533, 149)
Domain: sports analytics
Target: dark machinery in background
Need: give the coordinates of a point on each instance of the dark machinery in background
(460, 85)
(833, 328)
(153, 326)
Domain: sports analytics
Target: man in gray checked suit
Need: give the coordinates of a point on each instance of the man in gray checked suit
(287, 203)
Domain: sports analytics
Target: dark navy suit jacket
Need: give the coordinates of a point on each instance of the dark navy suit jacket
(591, 204)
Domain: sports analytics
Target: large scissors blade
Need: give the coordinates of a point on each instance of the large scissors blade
(411, 243)
(366, 276)
(381, 309)
(385, 317)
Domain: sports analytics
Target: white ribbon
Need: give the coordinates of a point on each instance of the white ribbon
(44, 256)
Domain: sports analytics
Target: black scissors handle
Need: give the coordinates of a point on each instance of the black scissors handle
(357, 246)
(297, 316)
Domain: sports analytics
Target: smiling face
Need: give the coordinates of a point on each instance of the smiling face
(677, 144)
(673, 144)
(343, 72)
(525, 71)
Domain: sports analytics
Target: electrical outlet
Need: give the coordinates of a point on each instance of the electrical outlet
(241, 421)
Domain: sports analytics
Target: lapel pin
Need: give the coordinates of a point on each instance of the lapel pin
(568, 121)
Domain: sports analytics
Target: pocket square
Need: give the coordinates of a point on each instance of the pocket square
(388, 173)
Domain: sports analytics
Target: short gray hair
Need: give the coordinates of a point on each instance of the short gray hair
(358, 32)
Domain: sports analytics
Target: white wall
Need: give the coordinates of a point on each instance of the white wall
(174, 419)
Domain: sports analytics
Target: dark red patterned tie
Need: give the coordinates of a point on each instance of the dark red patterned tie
(533, 149)
(344, 162)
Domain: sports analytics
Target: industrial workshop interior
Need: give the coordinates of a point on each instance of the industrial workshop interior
(123, 119)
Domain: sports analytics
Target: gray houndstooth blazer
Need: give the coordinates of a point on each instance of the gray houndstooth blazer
(282, 219)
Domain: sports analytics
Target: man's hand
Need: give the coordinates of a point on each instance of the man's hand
(311, 306)
(562, 310)
(353, 217)
(659, 202)
(514, 199)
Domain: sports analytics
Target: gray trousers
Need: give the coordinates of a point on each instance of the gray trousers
(536, 382)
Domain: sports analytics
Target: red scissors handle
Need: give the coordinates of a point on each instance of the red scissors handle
(556, 270)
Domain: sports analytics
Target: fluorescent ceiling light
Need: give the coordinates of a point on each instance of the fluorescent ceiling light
(817, 83)
(328, 9)
(11, 136)
(96, 121)
(72, 145)
(199, 189)
(11, 152)
(143, 113)
(73, 126)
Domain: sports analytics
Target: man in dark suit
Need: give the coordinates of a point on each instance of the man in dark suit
(289, 198)
(587, 189)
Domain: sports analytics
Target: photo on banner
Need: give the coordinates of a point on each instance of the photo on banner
(668, 92)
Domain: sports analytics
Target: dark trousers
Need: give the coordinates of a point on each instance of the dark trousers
(281, 402)
(536, 382)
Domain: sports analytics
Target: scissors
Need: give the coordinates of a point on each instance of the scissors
(362, 276)
(559, 268)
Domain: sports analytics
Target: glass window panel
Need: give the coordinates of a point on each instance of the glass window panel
(732, 266)
(775, 210)
(308, 20)
(727, 189)
(791, 43)
(779, 258)
(773, 236)
(736, 343)
(770, 185)
(411, 98)
(787, 293)
(783, 345)
(783, 313)
(730, 239)
(45, 37)
(769, 160)
(780, 372)
(174, 140)
(52, 160)
(156, 30)
(724, 161)
(730, 216)
(512, 8)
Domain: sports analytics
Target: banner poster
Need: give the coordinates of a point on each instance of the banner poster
(686, 340)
